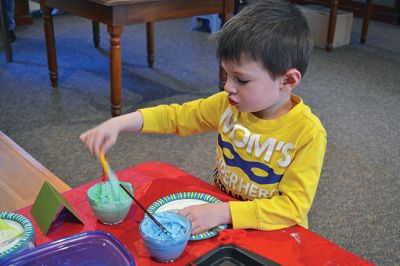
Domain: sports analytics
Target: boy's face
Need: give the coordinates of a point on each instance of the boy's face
(252, 89)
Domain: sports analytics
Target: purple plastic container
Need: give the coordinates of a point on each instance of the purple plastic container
(89, 248)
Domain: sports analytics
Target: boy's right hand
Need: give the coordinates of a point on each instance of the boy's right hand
(102, 137)
(105, 135)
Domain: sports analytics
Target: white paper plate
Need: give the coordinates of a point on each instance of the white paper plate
(26, 240)
(177, 201)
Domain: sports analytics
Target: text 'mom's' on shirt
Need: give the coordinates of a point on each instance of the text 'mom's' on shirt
(272, 166)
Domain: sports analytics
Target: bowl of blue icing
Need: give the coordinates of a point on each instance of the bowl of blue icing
(161, 246)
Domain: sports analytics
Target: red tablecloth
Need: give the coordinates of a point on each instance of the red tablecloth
(291, 246)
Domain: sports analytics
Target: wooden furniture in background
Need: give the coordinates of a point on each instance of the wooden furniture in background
(118, 13)
(333, 5)
(21, 176)
(381, 11)
(4, 31)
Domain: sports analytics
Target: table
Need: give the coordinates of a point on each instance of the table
(290, 246)
(117, 13)
(21, 176)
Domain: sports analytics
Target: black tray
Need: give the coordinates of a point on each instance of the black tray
(231, 255)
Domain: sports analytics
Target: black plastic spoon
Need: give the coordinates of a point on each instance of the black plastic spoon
(165, 231)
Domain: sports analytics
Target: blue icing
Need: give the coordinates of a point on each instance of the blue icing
(166, 247)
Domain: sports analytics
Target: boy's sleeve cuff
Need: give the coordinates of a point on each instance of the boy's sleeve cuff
(151, 119)
(244, 214)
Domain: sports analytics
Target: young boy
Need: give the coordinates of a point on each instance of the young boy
(270, 147)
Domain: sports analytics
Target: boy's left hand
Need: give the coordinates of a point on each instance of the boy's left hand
(207, 216)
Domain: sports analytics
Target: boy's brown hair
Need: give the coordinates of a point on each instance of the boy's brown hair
(272, 32)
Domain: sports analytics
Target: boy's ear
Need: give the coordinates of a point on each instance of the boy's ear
(290, 79)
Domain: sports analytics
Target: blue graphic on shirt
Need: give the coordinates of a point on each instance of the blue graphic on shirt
(246, 166)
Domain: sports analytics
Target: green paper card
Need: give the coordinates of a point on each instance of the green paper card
(51, 209)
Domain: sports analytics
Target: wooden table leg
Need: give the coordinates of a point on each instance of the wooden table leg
(51, 45)
(150, 43)
(228, 14)
(96, 33)
(115, 68)
(4, 28)
(331, 25)
(367, 15)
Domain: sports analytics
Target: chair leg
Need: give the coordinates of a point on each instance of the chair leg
(4, 26)
(96, 33)
(332, 25)
(367, 15)
(50, 45)
(150, 44)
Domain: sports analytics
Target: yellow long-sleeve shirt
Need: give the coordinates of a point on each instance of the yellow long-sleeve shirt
(272, 166)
